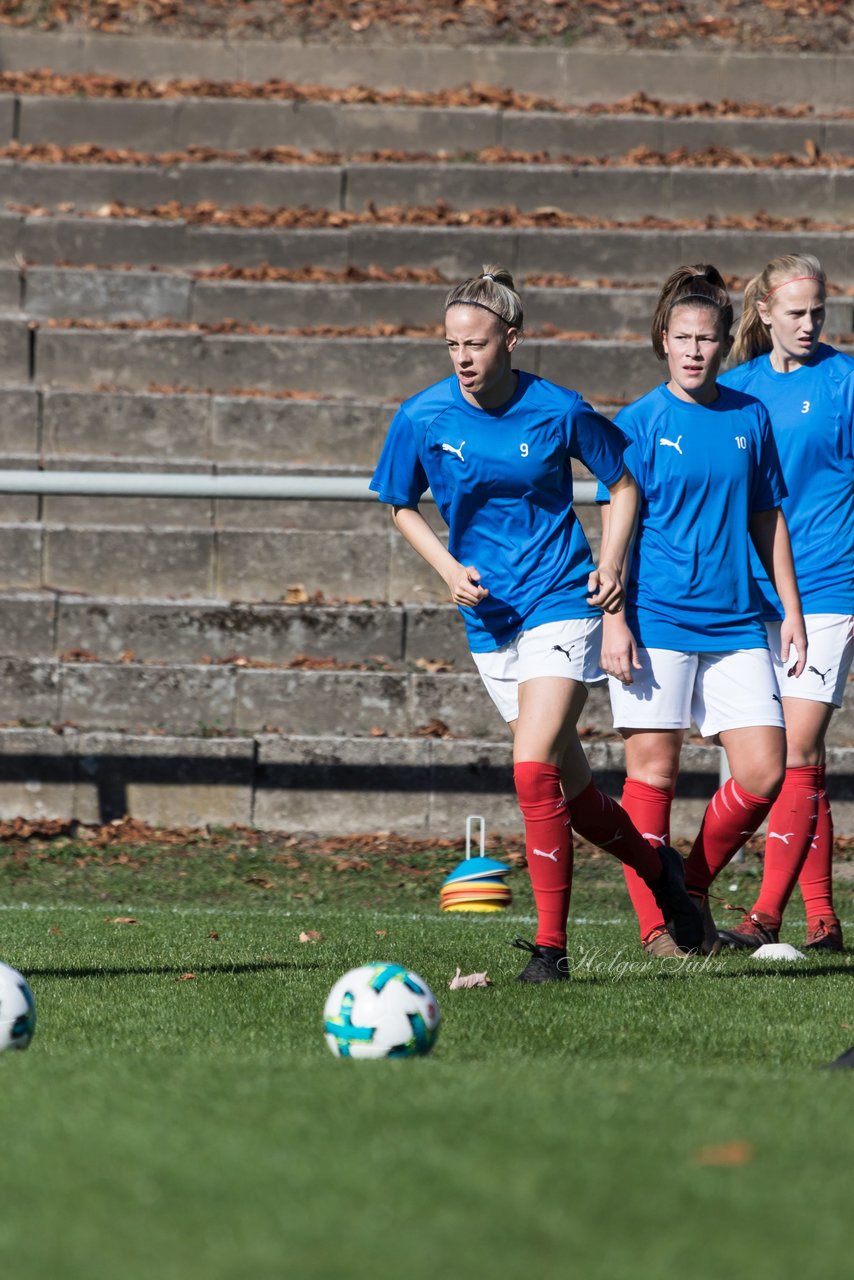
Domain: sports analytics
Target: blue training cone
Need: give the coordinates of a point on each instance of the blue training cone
(476, 884)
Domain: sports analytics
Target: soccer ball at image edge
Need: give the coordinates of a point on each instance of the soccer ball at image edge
(17, 1010)
(380, 1011)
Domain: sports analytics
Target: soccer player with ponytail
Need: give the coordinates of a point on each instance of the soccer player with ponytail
(495, 446)
(808, 389)
(690, 642)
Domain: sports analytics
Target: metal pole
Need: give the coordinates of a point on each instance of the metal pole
(182, 484)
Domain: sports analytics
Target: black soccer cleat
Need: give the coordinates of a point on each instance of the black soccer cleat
(683, 920)
(845, 1059)
(754, 931)
(547, 964)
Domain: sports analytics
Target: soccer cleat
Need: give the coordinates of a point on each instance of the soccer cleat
(711, 939)
(661, 946)
(845, 1059)
(683, 920)
(754, 931)
(547, 964)
(824, 935)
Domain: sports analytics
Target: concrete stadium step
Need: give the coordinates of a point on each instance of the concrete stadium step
(629, 254)
(567, 75)
(50, 625)
(50, 292)
(329, 784)
(249, 431)
(234, 124)
(234, 697)
(636, 191)
(617, 369)
(261, 564)
(354, 366)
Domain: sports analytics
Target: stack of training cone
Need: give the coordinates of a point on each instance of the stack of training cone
(477, 883)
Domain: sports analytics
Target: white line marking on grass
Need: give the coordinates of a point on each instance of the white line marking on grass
(284, 914)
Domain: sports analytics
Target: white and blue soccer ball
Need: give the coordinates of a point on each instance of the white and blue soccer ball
(381, 1011)
(17, 1010)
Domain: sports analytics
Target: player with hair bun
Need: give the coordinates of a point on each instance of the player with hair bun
(808, 389)
(495, 446)
(690, 642)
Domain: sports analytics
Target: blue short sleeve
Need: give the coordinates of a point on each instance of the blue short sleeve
(631, 460)
(598, 443)
(769, 488)
(848, 413)
(400, 478)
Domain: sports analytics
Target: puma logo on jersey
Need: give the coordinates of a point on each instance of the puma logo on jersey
(777, 698)
(449, 448)
(775, 835)
(821, 674)
(551, 855)
(653, 839)
(674, 444)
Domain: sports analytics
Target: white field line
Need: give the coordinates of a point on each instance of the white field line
(270, 912)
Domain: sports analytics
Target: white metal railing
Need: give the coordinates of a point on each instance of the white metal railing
(188, 484)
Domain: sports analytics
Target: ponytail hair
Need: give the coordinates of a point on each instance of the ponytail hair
(752, 338)
(494, 291)
(703, 286)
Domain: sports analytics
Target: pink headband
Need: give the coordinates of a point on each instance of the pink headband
(791, 280)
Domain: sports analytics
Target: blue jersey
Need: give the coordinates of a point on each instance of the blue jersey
(703, 471)
(502, 480)
(812, 415)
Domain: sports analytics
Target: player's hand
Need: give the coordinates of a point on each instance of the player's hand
(464, 586)
(793, 636)
(619, 655)
(605, 588)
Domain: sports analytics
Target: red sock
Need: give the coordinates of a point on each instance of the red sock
(600, 820)
(791, 827)
(548, 846)
(732, 816)
(815, 880)
(649, 809)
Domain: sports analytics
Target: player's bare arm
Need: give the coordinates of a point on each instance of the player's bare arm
(606, 583)
(770, 536)
(463, 581)
(619, 656)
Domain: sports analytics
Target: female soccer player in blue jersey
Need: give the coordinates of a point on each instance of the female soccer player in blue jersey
(808, 390)
(690, 641)
(495, 446)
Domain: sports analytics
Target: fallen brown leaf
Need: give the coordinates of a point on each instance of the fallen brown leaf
(464, 981)
(726, 1154)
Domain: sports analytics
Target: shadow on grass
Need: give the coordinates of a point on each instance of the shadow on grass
(127, 971)
(788, 971)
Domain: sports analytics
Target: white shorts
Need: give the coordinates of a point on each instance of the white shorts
(830, 650)
(734, 690)
(569, 650)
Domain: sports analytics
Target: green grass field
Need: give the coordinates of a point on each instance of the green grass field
(645, 1119)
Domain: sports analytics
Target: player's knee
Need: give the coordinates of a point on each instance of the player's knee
(802, 756)
(763, 778)
(662, 776)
